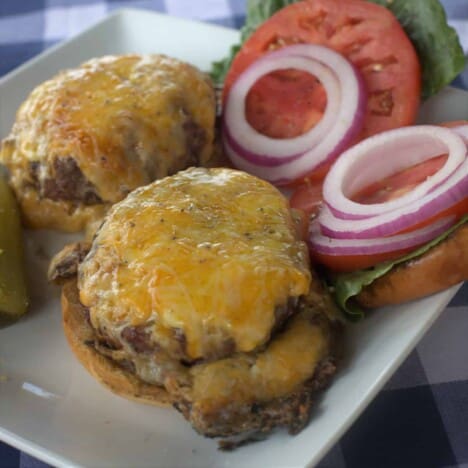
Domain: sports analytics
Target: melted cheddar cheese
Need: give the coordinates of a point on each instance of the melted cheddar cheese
(289, 361)
(124, 120)
(201, 258)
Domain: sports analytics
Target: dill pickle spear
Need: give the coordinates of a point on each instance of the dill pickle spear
(13, 294)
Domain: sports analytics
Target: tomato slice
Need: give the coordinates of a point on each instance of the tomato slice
(286, 103)
(397, 185)
(307, 198)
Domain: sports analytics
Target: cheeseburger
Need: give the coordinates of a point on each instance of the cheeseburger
(197, 292)
(88, 136)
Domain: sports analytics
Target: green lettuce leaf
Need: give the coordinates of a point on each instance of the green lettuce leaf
(345, 286)
(220, 68)
(424, 21)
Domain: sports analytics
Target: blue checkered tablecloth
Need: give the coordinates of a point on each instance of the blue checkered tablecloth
(420, 419)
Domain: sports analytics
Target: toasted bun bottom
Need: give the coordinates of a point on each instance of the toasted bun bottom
(80, 336)
(441, 267)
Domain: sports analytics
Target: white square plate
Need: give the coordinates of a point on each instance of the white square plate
(51, 408)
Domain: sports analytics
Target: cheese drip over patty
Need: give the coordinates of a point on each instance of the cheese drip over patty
(200, 261)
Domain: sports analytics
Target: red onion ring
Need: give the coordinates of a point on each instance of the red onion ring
(277, 175)
(449, 193)
(341, 247)
(260, 160)
(283, 160)
(255, 143)
(384, 154)
(345, 227)
(462, 130)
